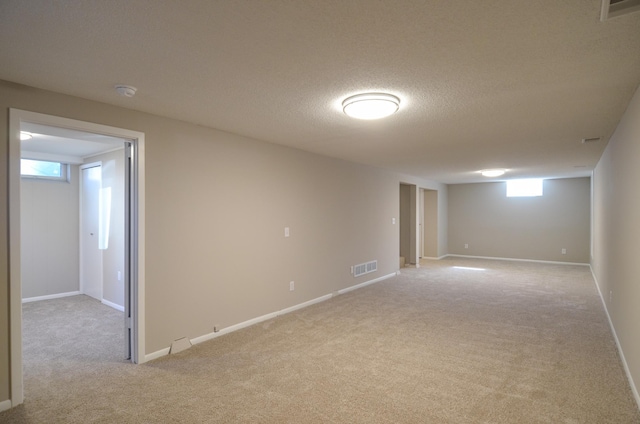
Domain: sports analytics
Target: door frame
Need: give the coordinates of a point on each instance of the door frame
(136, 248)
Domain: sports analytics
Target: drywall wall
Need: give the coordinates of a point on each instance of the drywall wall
(430, 208)
(404, 222)
(5, 346)
(49, 236)
(113, 175)
(216, 208)
(616, 232)
(537, 228)
(443, 221)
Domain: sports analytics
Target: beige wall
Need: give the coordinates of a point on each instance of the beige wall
(216, 208)
(616, 232)
(4, 260)
(430, 209)
(113, 257)
(538, 228)
(49, 236)
(443, 222)
(405, 222)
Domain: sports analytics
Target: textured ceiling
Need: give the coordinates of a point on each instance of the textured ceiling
(508, 84)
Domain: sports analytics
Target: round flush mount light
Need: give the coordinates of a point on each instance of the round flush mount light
(371, 105)
(25, 136)
(493, 172)
(125, 90)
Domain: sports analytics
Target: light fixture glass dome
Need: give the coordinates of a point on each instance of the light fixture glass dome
(492, 172)
(370, 105)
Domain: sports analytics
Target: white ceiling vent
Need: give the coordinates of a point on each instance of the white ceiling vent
(614, 8)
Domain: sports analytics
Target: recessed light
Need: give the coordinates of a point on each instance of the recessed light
(25, 136)
(493, 172)
(371, 105)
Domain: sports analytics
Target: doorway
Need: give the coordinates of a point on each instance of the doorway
(133, 269)
(429, 223)
(409, 240)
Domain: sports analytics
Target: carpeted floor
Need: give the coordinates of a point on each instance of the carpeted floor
(504, 342)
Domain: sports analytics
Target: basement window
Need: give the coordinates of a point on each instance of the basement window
(32, 168)
(524, 188)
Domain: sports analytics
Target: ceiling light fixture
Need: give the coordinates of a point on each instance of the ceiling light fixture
(371, 105)
(25, 136)
(126, 90)
(493, 172)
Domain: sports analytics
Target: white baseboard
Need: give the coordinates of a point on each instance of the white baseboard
(253, 321)
(257, 320)
(436, 258)
(4, 405)
(515, 260)
(50, 296)
(157, 354)
(634, 388)
(113, 305)
(366, 283)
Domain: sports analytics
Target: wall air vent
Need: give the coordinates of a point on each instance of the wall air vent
(614, 8)
(365, 268)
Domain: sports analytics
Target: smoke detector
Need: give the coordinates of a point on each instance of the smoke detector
(126, 90)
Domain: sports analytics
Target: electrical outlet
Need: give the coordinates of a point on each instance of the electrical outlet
(119, 276)
(466, 245)
(286, 231)
(292, 285)
(352, 269)
(393, 221)
(564, 251)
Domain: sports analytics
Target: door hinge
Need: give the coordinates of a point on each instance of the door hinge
(127, 322)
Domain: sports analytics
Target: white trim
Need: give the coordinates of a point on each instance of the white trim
(157, 354)
(435, 258)
(113, 305)
(634, 388)
(15, 284)
(50, 296)
(206, 337)
(258, 320)
(517, 260)
(366, 283)
(5, 405)
(16, 117)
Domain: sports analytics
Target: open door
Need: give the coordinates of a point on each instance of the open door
(90, 253)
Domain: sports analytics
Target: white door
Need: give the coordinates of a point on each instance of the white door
(90, 254)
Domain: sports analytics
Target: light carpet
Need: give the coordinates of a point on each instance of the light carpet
(506, 342)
